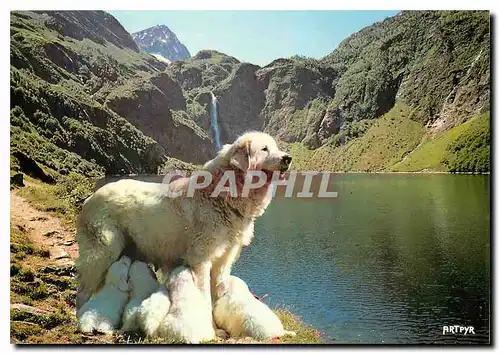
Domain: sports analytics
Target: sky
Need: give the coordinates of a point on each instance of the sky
(258, 37)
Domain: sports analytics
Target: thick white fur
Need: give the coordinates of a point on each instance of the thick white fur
(240, 314)
(189, 319)
(143, 284)
(103, 312)
(153, 311)
(204, 232)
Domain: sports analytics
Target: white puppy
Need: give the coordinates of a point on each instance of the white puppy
(153, 311)
(189, 319)
(103, 311)
(240, 314)
(143, 283)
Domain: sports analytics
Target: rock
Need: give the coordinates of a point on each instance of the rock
(50, 233)
(39, 218)
(17, 179)
(151, 111)
(48, 270)
(29, 309)
(98, 26)
(68, 243)
(240, 100)
(331, 123)
(29, 166)
(68, 271)
(172, 91)
(59, 254)
(59, 282)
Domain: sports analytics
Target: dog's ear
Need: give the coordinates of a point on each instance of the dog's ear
(219, 158)
(241, 156)
(224, 149)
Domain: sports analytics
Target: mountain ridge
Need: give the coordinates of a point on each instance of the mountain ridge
(434, 66)
(160, 40)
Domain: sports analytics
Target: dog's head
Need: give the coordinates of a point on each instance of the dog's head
(118, 274)
(252, 151)
(140, 270)
(232, 286)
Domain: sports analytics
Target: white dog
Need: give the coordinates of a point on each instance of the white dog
(240, 314)
(143, 284)
(103, 311)
(153, 311)
(189, 319)
(204, 231)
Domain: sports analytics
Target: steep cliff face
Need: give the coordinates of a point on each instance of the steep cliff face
(240, 101)
(85, 98)
(156, 106)
(295, 87)
(98, 26)
(275, 98)
(425, 59)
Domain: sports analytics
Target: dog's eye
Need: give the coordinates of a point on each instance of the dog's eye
(265, 148)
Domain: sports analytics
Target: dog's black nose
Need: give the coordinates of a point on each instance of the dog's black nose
(286, 160)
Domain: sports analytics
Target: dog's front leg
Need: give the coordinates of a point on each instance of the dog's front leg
(201, 273)
(221, 268)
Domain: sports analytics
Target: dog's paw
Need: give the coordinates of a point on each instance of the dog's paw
(105, 328)
(221, 334)
(290, 333)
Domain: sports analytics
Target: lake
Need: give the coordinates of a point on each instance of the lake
(392, 259)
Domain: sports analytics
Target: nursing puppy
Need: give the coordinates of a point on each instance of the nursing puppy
(189, 320)
(240, 314)
(103, 312)
(153, 311)
(204, 231)
(143, 284)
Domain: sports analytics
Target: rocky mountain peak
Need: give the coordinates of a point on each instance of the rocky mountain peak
(161, 42)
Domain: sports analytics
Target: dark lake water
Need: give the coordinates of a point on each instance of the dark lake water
(393, 259)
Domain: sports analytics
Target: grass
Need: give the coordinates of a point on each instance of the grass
(63, 199)
(174, 164)
(396, 143)
(183, 118)
(21, 245)
(433, 152)
(301, 155)
(385, 143)
(305, 334)
(30, 287)
(470, 152)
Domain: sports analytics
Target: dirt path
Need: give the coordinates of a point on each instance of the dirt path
(45, 230)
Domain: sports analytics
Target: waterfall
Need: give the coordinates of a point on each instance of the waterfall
(214, 123)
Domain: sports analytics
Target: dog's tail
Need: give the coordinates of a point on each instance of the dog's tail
(98, 248)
